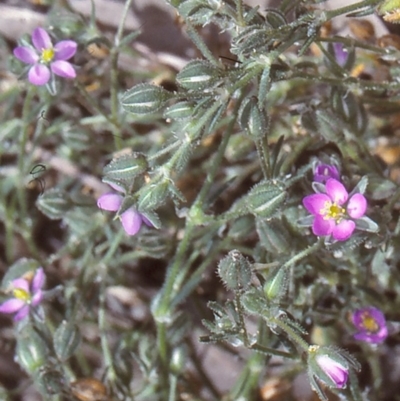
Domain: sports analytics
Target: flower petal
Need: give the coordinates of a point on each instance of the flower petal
(110, 201)
(65, 49)
(118, 188)
(21, 284)
(336, 191)
(343, 230)
(336, 371)
(323, 172)
(22, 313)
(341, 53)
(131, 221)
(322, 227)
(357, 206)
(38, 280)
(63, 69)
(39, 75)
(26, 55)
(315, 203)
(41, 39)
(12, 305)
(147, 221)
(37, 298)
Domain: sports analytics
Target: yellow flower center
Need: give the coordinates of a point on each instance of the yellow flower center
(47, 55)
(369, 323)
(21, 294)
(332, 211)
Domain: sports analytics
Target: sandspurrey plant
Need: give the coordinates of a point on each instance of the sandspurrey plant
(225, 230)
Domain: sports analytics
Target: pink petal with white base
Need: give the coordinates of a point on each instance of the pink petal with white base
(315, 203)
(357, 206)
(38, 280)
(336, 191)
(322, 227)
(39, 75)
(343, 230)
(65, 49)
(26, 54)
(41, 39)
(22, 313)
(12, 305)
(21, 284)
(63, 69)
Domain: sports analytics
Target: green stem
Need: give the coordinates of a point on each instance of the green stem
(162, 306)
(114, 75)
(95, 106)
(290, 332)
(272, 351)
(108, 358)
(239, 310)
(329, 14)
(200, 44)
(239, 10)
(173, 381)
(263, 154)
(303, 254)
(164, 151)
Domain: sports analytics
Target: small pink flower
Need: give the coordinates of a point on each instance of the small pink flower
(43, 55)
(322, 172)
(27, 294)
(341, 53)
(371, 325)
(131, 219)
(333, 212)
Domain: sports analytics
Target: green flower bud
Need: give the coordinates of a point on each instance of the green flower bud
(253, 119)
(31, 350)
(144, 99)
(66, 340)
(199, 75)
(276, 284)
(126, 167)
(235, 271)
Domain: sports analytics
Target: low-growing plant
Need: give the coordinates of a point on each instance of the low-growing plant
(247, 206)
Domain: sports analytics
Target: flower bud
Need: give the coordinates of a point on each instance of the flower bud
(198, 75)
(66, 340)
(252, 118)
(235, 271)
(178, 359)
(276, 284)
(31, 350)
(330, 366)
(144, 99)
(126, 167)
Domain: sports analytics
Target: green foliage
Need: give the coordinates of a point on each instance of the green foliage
(214, 161)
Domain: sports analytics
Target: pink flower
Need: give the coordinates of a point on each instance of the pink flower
(334, 212)
(322, 172)
(341, 53)
(27, 293)
(43, 55)
(371, 325)
(131, 219)
(335, 371)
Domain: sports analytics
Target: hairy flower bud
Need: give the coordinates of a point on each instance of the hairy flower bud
(235, 271)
